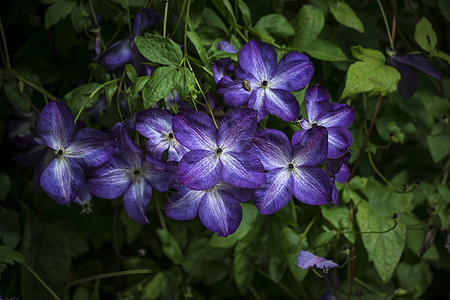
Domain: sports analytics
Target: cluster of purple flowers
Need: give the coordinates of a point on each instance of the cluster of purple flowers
(209, 168)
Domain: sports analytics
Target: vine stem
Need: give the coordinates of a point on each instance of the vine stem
(41, 281)
(94, 18)
(366, 139)
(394, 19)
(166, 8)
(388, 31)
(381, 175)
(5, 46)
(368, 287)
(111, 275)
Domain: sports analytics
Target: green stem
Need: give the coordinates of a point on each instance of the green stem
(44, 92)
(166, 9)
(369, 288)
(280, 284)
(160, 215)
(41, 281)
(5, 45)
(128, 16)
(388, 31)
(381, 175)
(111, 275)
(179, 19)
(94, 18)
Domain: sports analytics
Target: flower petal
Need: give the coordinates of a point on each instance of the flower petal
(282, 103)
(62, 180)
(241, 194)
(306, 260)
(136, 200)
(272, 148)
(91, 147)
(195, 130)
(126, 149)
(184, 205)
(339, 140)
(419, 62)
(312, 148)
(276, 193)
(256, 101)
(220, 212)
(259, 59)
(237, 130)
(317, 102)
(339, 115)
(110, 180)
(155, 172)
(344, 174)
(242, 169)
(155, 124)
(117, 55)
(55, 125)
(233, 92)
(145, 18)
(225, 46)
(199, 170)
(222, 67)
(311, 186)
(294, 71)
(407, 85)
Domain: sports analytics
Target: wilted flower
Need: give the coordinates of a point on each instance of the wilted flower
(407, 85)
(306, 260)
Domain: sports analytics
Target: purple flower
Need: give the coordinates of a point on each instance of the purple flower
(407, 85)
(334, 116)
(218, 155)
(337, 170)
(225, 46)
(307, 260)
(73, 150)
(129, 173)
(218, 206)
(124, 51)
(223, 66)
(292, 169)
(265, 85)
(84, 199)
(156, 125)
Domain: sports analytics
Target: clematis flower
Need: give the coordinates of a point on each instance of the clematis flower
(84, 199)
(73, 150)
(218, 206)
(124, 51)
(292, 169)
(307, 260)
(218, 155)
(156, 125)
(223, 66)
(337, 170)
(335, 117)
(225, 46)
(407, 85)
(129, 173)
(265, 86)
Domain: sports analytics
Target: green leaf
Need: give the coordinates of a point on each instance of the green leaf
(79, 98)
(125, 3)
(159, 50)
(154, 288)
(370, 75)
(339, 217)
(384, 249)
(244, 267)
(4, 185)
(15, 93)
(57, 11)
(225, 8)
(275, 25)
(358, 182)
(140, 84)
(110, 91)
(309, 23)
(279, 247)
(439, 142)
(345, 15)
(384, 200)
(131, 73)
(246, 14)
(195, 39)
(170, 246)
(425, 35)
(81, 293)
(184, 83)
(442, 55)
(159, 85)
(325, 50)
(10, 256)
(416, 277)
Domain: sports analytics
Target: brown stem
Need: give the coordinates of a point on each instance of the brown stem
(366, 139)
(394, 20)
(412, 10)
